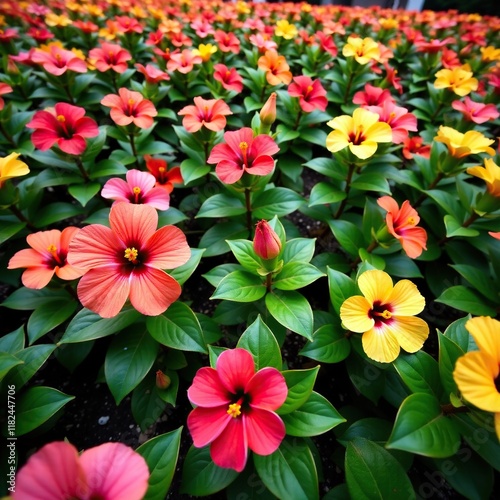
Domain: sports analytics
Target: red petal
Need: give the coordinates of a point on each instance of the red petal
(168, 248)
(228, 172)
(267, 389)
(37, 277)
(265, 431)
(133, 224)
(222, 152)
(264, 145)
(262, 165)
(206, 424)
(207, 390)
(230, 449)
(235, 368)
(74, 146)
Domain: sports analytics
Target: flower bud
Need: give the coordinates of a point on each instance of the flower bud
(268, 111)
(162, 380)
(266, 242)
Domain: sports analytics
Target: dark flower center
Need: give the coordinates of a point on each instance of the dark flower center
(381, 313)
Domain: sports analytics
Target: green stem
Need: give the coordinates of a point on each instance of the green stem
(297, 121)
(7, 134)
(248, 205)
(449, 409)
(134, 150)
(269, 281)
(347, 189)
(22, 218)
(369, 249)
(81, 168)
(432, 185)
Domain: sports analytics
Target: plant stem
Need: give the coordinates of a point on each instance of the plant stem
(449, 409)
(432, 185)
(22, 218)
(369, 249)
(81, 168)
(269, 281)
(6, 134)
(297, 121)
(347, 189)
(248, 205)
(134, 150)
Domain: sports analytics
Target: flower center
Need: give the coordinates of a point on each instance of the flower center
(234, 410)
(61, 118)
(309, 89)
(53, 251)
(136, 190)
(410, 221)
(131, 254)
(381, 313)
(497, 383)
(357, 137)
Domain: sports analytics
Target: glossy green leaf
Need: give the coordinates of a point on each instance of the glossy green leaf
(329, 345)
(106, 168)
(182, 273)
(47, 317)
(341, 288)
(28, 299)
(371, 182)
(454, 228)
(324, 192)
(56, 212)
(9, 229)
(214, 239)
(215, 275)
(299, 250)
(278, 201)
(295, 275)
(466, 299)
(83, 193)
(221, 205)
(348, 235)
(13, 342)
(483, 284)
(449, 352)
(457, 332)
(7, 362)
(300, 385)
(245, 255)
(368, 379)
(240, 286)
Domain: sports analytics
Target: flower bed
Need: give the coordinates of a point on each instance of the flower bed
(270, 230)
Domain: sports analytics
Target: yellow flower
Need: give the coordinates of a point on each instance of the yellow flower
(364, 50)
(59, 21)
(384, 314)
(11, 167)
(477, 372)
(490, 53)
(205, 51)
(388, 23)
(458, 79)
(490, 174)
(461, 145)
(285, 29)
(361, 132)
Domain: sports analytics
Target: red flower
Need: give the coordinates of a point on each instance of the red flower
(310, 92)
(228, 42)
(57, 61)
(372, 96)
(236, 409)
(208, 113)
(243, 153)
(165, 178)
(130, 107)
(229, 78)
(126, 260)
(65, 125)
(110, 56)
(475, 111)
(4, 89)
(414, 145)
(266, 243)
(152, 73)
(183, 62)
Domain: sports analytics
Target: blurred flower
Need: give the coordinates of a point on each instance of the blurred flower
(139, 188)
(204, 51)
(57, 472)
(475, 111)
(397, 117)
(59, 21)
(11, 167)
(126, 260)
(310, 92)
(40, 35)
(490, 53)
(110, 56)
(276, 68)
(242, 153)
(4, 89)
(162, 381)
(262, 42)
(415, 146)
(490, 174)
(208, 113)
(327, 43)
(152, 73)
(184, 61)
(130, 107)
(364, 50)
(494, 235)
(458, 79)
(46, 257)
(372, 96)
(65, 125)
(402, 224)
(165, 177)
(360, 132)
(384, 314)
(126, 24)
(228, 42)
(476, 372)
(56, 60)
(267, 114)
(461, 145)
(266, 243)
(235, 409)
(285, 30)
(229, 78)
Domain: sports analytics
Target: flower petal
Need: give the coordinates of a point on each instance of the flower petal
(354, 313)
(207, 390)
(235, 368)
(230, 449)
(376, 286)
(265, 431)
(405, 299)
(486, 333)
(380, 344)
(411, 332)
(37, 277)
(228, 171)
(116, 189)
(262, 165)
(206, 424)
(267, 389)
(133, 224)
(167, 248)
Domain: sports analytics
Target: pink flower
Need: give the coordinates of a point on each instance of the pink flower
(227, 42)
(139, 188)
(372, 96)
(243, 153)
(208, 113)
(152, 73)
(46, 257)
(110, 56)
(57, 472)
(494, 235)
(65, 125)
(400, 120)
(310, 92)
(229, 78)
(475, 111)
(57, 61)
(183, 62)
(236, 409)
(130, 107)
(126, 260)
(7, 89)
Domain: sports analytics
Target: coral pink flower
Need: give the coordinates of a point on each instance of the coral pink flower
(399, 119)
(229, 78)
(327, 43)
(415, 146)
(7, 89)
(227, 42)
(401, 223)
(110, 56)
(276, 68)
(262, 42)
(57, 472)
(130, 107)
(372, 96)
(139, 188)
(310, 92)
(202, 28)
(46, 257)
(57, 61)
(476, 112)
(235, 409)
(152, 73)
(65, 125)
(165, 177)
(126, 24)
(494, 235)
(184, 61)
(243, 153)
(126, 260)
(208, 113)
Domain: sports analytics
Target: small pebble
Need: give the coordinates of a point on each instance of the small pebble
(103, 420)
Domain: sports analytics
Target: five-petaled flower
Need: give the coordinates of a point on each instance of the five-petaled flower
(242, 153)
(166, 178)
(462, 145)
(208, 113)
(459, 80)
(276, 68)
(364, 50)
(127, 260)
(310, 92)
(235, 409)
(230, 79)
(476, 112)
(130, 107)
(56, 60)
(384, 314)
(110, 56)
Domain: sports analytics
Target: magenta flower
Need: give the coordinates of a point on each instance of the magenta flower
(243, 153)
(476, 112)
(235, 409)
(310, 92)
(57, 472)
(230, 79)
(139, 188)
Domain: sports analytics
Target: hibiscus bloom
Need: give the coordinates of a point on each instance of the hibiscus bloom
(235, 409)
(262, 42)
(126, 260)
(415, 146)
(462, 145)
(130, 107)
(56, 60)
(110, 56)
(227, 41)
(208, 113)
(476, 372)
(11, 167)
(310, 92)
(166, 178)
(230, 79)
(458, 79)
(183, 62)
(397, 117)
(242, 153)
(384, 314)
(360, 132)
(57, 472)
(65, 125)
(4, 89)
(364, 50)
(276, 68)
(372, 96)
(490, 174)
(401, 223)
(139, 188)
(152, 73)
(285, 29)
(46, 257)
(476, 112)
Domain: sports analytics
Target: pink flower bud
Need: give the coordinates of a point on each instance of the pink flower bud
(162, 380)
(268, 111)
(266, 242)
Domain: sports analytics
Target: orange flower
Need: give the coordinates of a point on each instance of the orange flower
(209, 113)
(130, 107)
(276, 68)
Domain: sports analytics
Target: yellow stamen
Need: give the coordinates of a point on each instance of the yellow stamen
(136, 190)
(53, 250)
(234, 410)
(244, 147)
(61, 118)
(410, 221)
(161, 170)
(386, 314)
(131, 102)
(309, 89)
(131, 254)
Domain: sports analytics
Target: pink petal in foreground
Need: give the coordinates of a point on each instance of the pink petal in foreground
(157, 197)
(265, 431)
(235, 368)
(74, 146)
(168, 248)
(206, 424)
(37, 277)
(116, 189)
(230, 449)
(228, 172)
(115, 472)
(207, 390)
(262, 165)
(267, 389)
(133, 224)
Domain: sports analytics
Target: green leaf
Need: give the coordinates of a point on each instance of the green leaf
(476, 277)
(313, 135)
(348, 235)
(371, 182)
(300, 384)
(27, 299)
(129, 358)
(367, 378)
(13, 342)
(329, 345)
(47, 317)
(449, 352)
(454, 228)
(422, 428)
(87, 325)
(36, 406)
(316, 416)
(179, 328)
(289, 472)
(201, 477)
(259, 340)
(83, 193)
(292, 310)
(7, 362)
(146, 404)
(299, 250)
(161, 454)
(215, 275)
(192, 170)
(55, 212)
(278, 201)
(245, 255)
(466, 299)
(324, 192)
(373, 473)
(214, 240)
(402, 266)
(457, 332)
(9, 229)
(107, 168)
(182, 273)
(221, 205)
(240, 286)
(341, 288)
(295, 275)
(328, 167)
(170, 217)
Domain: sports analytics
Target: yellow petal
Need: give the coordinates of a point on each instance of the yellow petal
(380, 344)
(365, 150)
(342, 123)
(354, 314)
(486, 333)
(497, 424)
(405, 299)
(336, 141)
(365, 118)
(376, 286)
(411, 332)
(380, 132)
